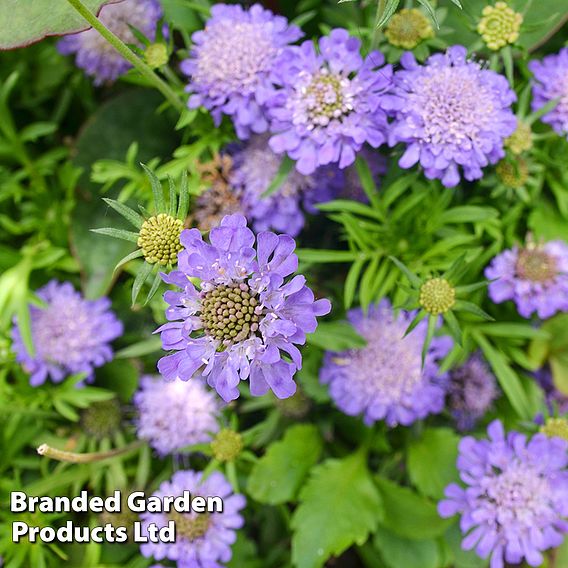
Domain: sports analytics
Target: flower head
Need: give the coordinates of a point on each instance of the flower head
(159, 239)
(471, 391)
(555, 428)
(521, 140)
(102, 419)
(499, 25)
(513, 174)
(385, 380)
(175, 414)
(70, 334)
(95, 55)
(328, 104)
(245, 314)
(437, 296)
(516, 495)
(203, 540)
(231, 61)
(551, 82)
(227, 445)
(451, 114)
(408, 28)
(535, 277)
(256, 165)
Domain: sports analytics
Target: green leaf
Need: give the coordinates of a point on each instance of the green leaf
(141, 348)
(339, 506)
(125, 211)
(183, 205)
(414, 280)
(468, 214)
(26, 21)
(132, 256)
(409, 515)
(400, 552)
(117, 234)
(277, 476)
(141, 277)
(284, 170)
(389, 10)
(351, 282)
(320, 255)
(336, 336)
(366, 178)
(432, 461)
(157, 190)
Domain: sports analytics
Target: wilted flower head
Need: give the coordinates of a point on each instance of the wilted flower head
(70, 335)
(230, 64)
(535, 277)
(513, 173)
(471, 391)
(385, 380)
(203, 540)
(102, 419)
(256, 165)
(408, 28)
(451, 114)
(245, 314)
(175, 414)
(516, 496)
(551, 82)
(499, 25)
(328, 104)
(95, 55)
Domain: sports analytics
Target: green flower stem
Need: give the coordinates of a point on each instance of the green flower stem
(377, 31)
(71, 457)
(144, 69)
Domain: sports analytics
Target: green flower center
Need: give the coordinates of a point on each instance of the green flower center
(555, 427)
(408, 28)
(499, 25)
(521, 140)
(326, 98)
(230, 312)
(513, 174)
(227, 445)
(437, 296)
(102, 419)
(156, 55)
(535, 265)
(190, 527)
(159, 239)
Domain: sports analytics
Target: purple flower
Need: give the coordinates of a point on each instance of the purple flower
(551, 82)
(471, 391)
(328, 104)
(95, 55)
(256, 165)
(245, 315)
(554, 398)
(450, 113)
(203, 540)
(231, 61)
(534, 277)
(385, 380)
(70, 335)
(172, 415)
(516, 495)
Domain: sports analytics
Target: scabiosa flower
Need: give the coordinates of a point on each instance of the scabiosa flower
(256, 165)
(203, 540)
(521, 140)
(175, 414)
(516, 495)
(408, 28)
(450, 113)
(385, 380)
(70, 335)
(471, 391)
(499, 25)
(231, 61)
(95, 55)
(551, 82)
(535, 277)
(245, 314)
(328, 104)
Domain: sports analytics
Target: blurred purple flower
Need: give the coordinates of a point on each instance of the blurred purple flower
(230, 64)
(175, 414)
(534, 277)
(385, 380)
(70, 335)
(554, 397)
(203, 540)
(516, 497)
(450, 113)
(95, 55)
(328, 104)
(551, 82)
(244, 316)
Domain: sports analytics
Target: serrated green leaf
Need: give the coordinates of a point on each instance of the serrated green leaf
(339, 506)
(277, 476)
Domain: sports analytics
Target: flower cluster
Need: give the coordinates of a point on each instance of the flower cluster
(244, 316)
(69, 334)
(516, 497)
(535, 277)
(95, 55)
(385, 380)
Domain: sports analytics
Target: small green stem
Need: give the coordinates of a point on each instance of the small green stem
(144, 69)
(71, 457)
(376, 29)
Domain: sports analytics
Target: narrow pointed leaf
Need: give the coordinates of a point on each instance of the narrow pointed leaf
(414, 280)
(183, 206)
(432, 323)
(173, 197)
(417, 319)
(157, 190)
(154, 288)
(117, 234)
(135, 254)
(130, 215)
(463, 306)
(454, 327)
(284, 170)
(468, 288)
(141, 277)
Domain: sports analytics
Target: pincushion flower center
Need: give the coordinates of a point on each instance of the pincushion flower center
(437, 296)
(536, 265)
(327, 98)
(189, 527)
(159, 239)
(230, 312)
